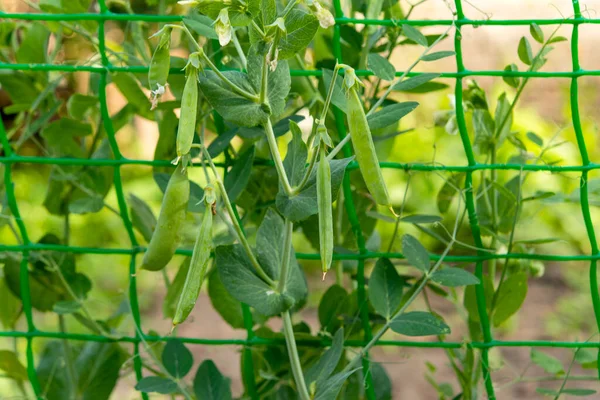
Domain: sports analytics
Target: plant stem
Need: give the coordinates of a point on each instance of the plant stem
(290, 341)
(71, 376)
(236, 225)
(239, 50)
(338, 147)
(285, 259)
(277, 158)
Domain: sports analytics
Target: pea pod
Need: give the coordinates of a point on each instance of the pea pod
(161, 61)
(325, 212)
(199, 264)
(189, 109)
(364, 148)
(165, 238)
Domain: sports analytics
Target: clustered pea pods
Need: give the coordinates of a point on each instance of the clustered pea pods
(362, 141)
(165, 238)
(200, 261)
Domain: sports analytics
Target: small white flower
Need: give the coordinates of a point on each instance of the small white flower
(324, 16)
(273, 63)
(156, 95)
(188, 2)
(223, 27)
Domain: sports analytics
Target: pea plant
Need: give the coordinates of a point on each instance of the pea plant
(226, 66)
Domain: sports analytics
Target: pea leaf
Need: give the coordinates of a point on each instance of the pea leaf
(421, 219)
(535, 138)
(279, 81)
(61, 136)
(228, 308)
(385, 288)
(548, 363)
(448, 192)
(177, 359)
(330, 388)
(156, 384)
(11, 306)
(415, 253)
(209, 384)
(142, 217)
(427, 87)
(451, 276)
(201, 24)
(333, 304)
(50, 372)
(579, 392)
(470, 299)
(419, 323)
(79, 104)
(391, 114)
(324, 367)
(536, 32)
(338, 98)
(304, 204)
(300, 27)
(415, 81)
(33, 48)
(512, 81)
(382, 384)
(66, 307)
(437, 55)
(415, 35)
(237, 179)
(130, 88)
(295, 160)
(557, 39)
(381, 67)
(510, 297)
(98, 366)
(524, 51)
(12, 367)
(221, 142)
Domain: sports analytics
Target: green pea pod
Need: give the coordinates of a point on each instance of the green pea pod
(198, 267)
(364, 149)
(161, 61)
(325, 212)
(189, 109)
(165, 238)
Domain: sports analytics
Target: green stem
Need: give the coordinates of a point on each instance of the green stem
(236, 225)
(264, 80)
(290, 341)
(239, 50)
(289, 7)
(338, 147)
(71, 376)
(285, 259)
(277, 158)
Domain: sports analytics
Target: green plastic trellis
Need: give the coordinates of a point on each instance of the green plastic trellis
(10, 158)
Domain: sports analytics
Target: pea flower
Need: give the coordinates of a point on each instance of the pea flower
(324, 16)
(223, 27)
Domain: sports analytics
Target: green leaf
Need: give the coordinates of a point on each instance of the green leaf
(437, 55)
(61, 137)
(239, 175)
(536, 32)
(510, 297)
(51, 373)
(130, 88)
(382, 384)
(451, 276)
(448, 192)
(201, 24)
(415, 253)
(415, 35)
(330, 389)
(175, 288)
(209, 384)
(11, 305)
(324, 367)
(547, 392)
(557, 39)
(177, 359)
(157, 384)
(421, 219)
(228, 308)
(98, 366)
(385, 288)
(11, 366)
(142, 217)
(381, 67)
(470, 299)
(503, 112)
(33, 48)
(278, 83)
(20, 88)
(79, 104)
(427, 87)
(333, 304)
(415, 81)
(338, 98)
(578, 392)
(295, 159)
(300, 27)
(221, 142)
(512, 81)
(535, 138)
(66, 307)
(548, 363)
(587, 358)
(524, 51)
(419, 323)
(304, 204)
(391, 114)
